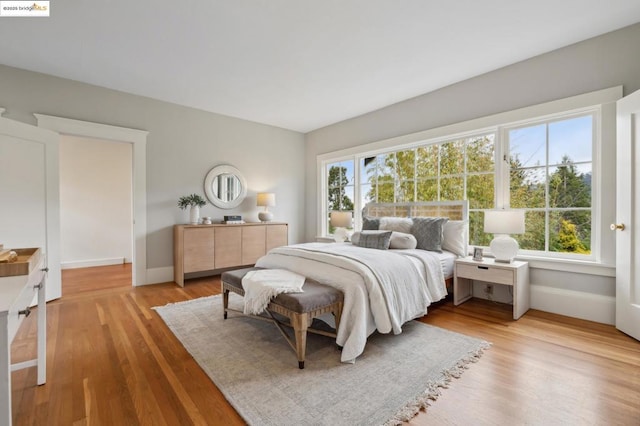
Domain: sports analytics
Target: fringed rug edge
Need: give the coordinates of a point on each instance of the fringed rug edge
(432, 392)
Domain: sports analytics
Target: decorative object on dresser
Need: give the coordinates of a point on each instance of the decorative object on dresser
(8, 256)
(266, 200)
(234, 219)
(249, 362)
(214, 247)
(225, 186)
(503, 223)
(341, 221)
(194, 201)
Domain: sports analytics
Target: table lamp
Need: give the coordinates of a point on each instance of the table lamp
(502, 223)
(341, 221)
(266, 199)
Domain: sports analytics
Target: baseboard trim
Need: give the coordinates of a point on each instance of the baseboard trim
(74, 264)
(576, 304)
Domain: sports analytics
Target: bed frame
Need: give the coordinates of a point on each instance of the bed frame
(454, 210)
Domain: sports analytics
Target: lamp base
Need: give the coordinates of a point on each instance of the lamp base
(504, 248)
(265, 216)
(340, 235)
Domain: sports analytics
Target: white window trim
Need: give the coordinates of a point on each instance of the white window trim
(503, 196)
(604, 120)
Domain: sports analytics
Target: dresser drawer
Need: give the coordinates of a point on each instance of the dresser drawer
(22, 302)
(485, 273)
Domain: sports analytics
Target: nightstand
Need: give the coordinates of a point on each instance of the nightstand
(515, 274)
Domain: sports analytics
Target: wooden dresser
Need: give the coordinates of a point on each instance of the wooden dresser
(199, 248)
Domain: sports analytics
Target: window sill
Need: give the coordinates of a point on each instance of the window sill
(567, 265)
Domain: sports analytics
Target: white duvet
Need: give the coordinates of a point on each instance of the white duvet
(382, 289)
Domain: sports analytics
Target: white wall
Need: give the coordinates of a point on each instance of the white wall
(95, 202)
(182, 146)
(606, 61)
(22, 190)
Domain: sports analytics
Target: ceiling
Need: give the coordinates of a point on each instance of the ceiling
(295, 64)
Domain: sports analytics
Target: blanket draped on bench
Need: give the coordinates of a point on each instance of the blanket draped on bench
(263, 285)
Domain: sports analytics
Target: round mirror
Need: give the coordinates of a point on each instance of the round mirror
(225, 187)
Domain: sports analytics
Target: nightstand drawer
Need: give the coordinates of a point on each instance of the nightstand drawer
(485, 273)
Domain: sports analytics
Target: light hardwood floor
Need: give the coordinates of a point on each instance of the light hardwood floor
(112, 361)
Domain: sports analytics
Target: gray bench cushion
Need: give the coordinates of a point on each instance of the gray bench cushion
(315, 295)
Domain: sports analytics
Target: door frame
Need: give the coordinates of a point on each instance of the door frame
(138, 138)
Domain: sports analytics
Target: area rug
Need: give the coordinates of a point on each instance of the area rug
(256, 370)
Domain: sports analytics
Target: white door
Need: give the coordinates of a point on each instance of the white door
(628, 209)
(29, 211)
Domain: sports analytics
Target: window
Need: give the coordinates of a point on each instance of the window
(550, 178)
(547, 165)
(460, 169)
(340, 189)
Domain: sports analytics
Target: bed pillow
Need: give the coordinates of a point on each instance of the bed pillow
(428, 232)
(370, 223)
(400, 240)
(454, 238)
(397, 224)
(372, 239)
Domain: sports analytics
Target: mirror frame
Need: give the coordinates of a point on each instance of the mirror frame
(208, 188)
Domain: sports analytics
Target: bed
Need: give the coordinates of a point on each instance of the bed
(383, 289)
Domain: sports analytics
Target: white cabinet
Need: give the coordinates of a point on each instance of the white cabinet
(515, 274)
(16, 295)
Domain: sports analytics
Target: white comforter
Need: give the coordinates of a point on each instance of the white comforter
(382, 289)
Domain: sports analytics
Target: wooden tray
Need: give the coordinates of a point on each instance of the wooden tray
(28, 258)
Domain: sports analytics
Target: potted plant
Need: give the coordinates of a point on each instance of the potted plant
(194, 201)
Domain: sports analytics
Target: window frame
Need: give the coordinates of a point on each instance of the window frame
(600, 103)
(503, 187)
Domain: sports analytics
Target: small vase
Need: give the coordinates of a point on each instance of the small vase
(194, 215)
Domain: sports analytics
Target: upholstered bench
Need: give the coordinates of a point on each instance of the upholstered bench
(301, 308)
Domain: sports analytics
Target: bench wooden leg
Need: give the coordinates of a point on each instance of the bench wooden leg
(300, 324)
(337, 314)
(225, 301)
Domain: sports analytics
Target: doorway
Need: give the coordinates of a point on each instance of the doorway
(138, 140)
(96, 224)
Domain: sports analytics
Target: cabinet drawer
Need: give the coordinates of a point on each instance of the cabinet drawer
(23, 301)
(485, 273)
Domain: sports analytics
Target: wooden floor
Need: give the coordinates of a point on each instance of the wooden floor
(112, 361)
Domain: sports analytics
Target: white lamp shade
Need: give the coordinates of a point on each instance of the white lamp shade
(504, 221)
(266, 199)
(340, 219)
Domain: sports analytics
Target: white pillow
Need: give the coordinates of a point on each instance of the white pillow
(397, 224)
(400, 240)
(455, 237)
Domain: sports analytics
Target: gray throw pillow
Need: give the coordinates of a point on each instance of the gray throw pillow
(370, 223)
(373, 239)
(428, 232)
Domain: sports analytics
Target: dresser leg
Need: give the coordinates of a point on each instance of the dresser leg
(42, 333)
